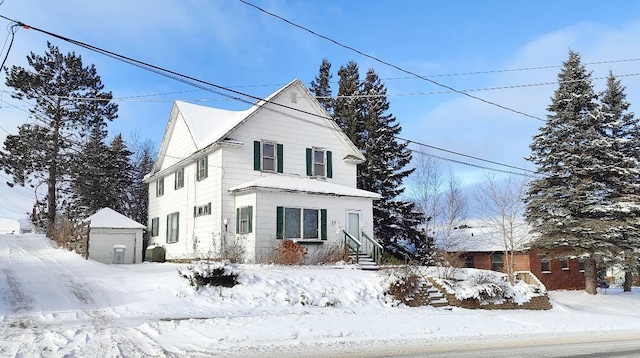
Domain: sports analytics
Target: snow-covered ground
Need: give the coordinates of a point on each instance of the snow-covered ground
(54, 303)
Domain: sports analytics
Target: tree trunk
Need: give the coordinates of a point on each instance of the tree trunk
(628, 278)
(590, 276)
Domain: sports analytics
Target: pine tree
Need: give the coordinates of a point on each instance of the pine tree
(119, 172)
(142, 162)
(384, 171)
(41, 152)
(578, 204)
(321, 86)
(348, 105)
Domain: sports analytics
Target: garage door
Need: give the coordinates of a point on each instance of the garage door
(101, 246)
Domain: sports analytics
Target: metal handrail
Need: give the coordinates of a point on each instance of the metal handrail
(376, 253)
(348, 241)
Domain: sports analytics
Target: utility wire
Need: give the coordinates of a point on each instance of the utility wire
(203, 84)
(388, 63)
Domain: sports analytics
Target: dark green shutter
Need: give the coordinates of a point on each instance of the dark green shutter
(175, 181)
(279, 222)
(256, 155)
(168, 218)
(209, 205)
(206, 166)
(237, 220)
(250, 219)
(309, 161)
(195, 211)
(323, 224)
(280, 151)
(329, 165)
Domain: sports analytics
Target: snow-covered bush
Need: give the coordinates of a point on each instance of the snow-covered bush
(211, 273)
(489, 287)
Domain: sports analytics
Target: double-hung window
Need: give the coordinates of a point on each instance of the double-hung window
(179, 179)
(244, 218)
(268, 156)
(497, 261)
(173, 224)
(319, 163)
(202, 210)
(544, 264)
(202, 170)
(160, 187)
(301, 223)
(155, 226)
(564, 263)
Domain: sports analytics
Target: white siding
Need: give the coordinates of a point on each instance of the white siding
(180, 144)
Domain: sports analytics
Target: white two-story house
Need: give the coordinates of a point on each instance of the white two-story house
(281, 169)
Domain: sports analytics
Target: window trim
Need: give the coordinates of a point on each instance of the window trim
(244, 223)
(155, 227)
(494, 262)
(170, 227)
(160, 187)
(264, 156)
(202, 168)
(545, 263)
(179, 179)
(315, 150)
(327, 157)
(321, 226)
(202, 210)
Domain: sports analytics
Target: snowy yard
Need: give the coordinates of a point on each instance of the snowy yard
(54, 303)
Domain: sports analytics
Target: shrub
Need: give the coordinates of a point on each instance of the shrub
(330, 254)
(287, 252)
(210, 273)
(405, 286)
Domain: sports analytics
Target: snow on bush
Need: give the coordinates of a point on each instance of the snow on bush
(210, 273)
(488, 287)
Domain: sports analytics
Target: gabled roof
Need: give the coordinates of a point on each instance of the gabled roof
(305, 185)
(208, 126)
(109, 218)
(484, 236)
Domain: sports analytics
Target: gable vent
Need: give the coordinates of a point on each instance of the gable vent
(294, 97)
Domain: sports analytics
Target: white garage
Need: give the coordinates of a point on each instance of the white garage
(114, 238)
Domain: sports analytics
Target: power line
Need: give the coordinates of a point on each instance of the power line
(388, 63)
(203, 84)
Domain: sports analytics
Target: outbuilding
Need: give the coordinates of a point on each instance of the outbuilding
(114, 238)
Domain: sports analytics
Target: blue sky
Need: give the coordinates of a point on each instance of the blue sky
(231, 44)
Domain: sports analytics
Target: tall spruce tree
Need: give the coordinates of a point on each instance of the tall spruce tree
(396, 221)
(120, 173)
(142, 162)
(347, 110)
(620, 209)
(321, 86)
(577, 205)
(41, 152)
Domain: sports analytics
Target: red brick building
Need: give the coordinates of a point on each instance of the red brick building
(483, 247)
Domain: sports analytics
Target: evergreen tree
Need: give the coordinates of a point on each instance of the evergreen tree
(142, 162)
(89, 185)
(384, 171)
(348, 105)
(119, 172)
(321, 86)
(577, 205)
(41, 152)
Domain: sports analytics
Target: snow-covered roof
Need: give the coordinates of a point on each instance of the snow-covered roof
(109, 218)
(483, 236)
(301, 185)
(209, 125)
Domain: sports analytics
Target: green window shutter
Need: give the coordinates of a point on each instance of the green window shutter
(177, 227)
(323, 224)
(206, 166)
(309, 161)
(256, 155)
(280, 154)
(195, 211)
(329, 165)
(250, 219)
(168, 219)
(175, 181)
(279, 222)
(209, 205)
(237, 220)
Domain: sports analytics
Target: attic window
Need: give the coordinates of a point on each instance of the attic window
(294, 97)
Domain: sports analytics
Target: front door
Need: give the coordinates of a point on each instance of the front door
(353, 224)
